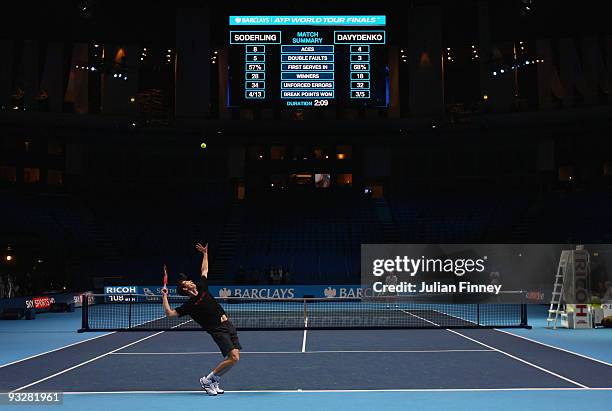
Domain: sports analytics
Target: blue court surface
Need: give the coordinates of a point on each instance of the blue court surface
(316, 369)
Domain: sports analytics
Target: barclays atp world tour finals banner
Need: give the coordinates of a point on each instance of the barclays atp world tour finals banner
(486, 273)
(136, 293)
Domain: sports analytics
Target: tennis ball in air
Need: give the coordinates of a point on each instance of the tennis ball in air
(203, 145)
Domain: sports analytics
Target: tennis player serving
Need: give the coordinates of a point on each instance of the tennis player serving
(206, 311)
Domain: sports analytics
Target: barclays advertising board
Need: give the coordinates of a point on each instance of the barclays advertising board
(125, 293)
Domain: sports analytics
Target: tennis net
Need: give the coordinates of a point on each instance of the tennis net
(145, 313)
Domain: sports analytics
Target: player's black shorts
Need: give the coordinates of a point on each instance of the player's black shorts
(226, 337)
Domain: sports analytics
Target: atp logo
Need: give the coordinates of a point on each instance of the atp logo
(225, 292)
(329, 292)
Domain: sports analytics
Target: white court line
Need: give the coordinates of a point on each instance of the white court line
(556, 348)
(305, 331)
(520, 359)
(539, 342)
(532, 340)
(83, 363)
(54, 350)
(71, 345)
(90, 360)
(303, 352)
(340, 391)
(420, 318)
(505, 353)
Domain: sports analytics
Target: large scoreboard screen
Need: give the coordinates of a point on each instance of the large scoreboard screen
(307, 61)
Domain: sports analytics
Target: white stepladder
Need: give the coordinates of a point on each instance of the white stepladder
(555, 310)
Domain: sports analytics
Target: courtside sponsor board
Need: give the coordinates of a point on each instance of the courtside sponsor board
(121, 293)
(153, 293)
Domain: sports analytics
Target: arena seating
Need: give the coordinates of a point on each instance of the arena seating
(316, 239)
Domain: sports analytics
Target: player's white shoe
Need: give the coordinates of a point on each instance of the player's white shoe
(208, 386)
(215, 385)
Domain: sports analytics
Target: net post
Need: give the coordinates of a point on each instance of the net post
(524, 320)
(84, 312)
(305, 313)
(131, 297)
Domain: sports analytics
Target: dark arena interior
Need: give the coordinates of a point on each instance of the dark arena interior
(383, 205)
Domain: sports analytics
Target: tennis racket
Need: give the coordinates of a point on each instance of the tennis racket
(165, 279)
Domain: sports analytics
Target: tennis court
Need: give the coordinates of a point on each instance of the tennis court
(278, 365)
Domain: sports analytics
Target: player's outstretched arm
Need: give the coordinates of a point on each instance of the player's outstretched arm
(204, 250)
(167, 309)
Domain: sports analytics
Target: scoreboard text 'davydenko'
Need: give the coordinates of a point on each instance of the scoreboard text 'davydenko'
(307, 61)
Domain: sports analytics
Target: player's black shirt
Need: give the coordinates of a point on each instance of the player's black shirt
(203, 308)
